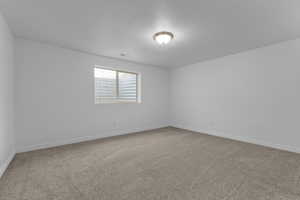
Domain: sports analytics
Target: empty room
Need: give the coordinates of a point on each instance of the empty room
(149, 100)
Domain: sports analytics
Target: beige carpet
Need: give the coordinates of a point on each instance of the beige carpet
(166, 164)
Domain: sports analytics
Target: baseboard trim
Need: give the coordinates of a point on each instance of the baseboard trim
(84, 139)
(243, 139)
(4, 166)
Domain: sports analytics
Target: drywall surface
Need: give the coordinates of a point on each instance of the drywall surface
(6, 95)
(55, 98)
(252, 96)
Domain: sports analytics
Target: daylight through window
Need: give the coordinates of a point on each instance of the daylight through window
(113, 86)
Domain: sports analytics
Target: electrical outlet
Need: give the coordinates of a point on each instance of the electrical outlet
(212, 124)
(115, 124)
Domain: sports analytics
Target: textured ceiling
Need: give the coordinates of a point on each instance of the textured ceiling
(204, 29)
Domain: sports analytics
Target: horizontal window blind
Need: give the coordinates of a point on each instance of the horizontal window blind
(112, 86)
(105, 85)
(127, 86)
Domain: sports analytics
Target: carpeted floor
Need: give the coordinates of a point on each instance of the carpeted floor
(166, 164)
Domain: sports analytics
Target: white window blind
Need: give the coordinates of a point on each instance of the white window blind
(113, 86)
(127, 86)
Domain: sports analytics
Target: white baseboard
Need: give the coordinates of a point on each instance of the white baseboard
(4, 166)
(83, 139)
(243, 139)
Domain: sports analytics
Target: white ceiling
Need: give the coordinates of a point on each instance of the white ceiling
(203, 29)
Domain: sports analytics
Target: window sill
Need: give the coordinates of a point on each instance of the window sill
(118, 102)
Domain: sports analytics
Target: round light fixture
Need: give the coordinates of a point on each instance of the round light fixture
(163, 37)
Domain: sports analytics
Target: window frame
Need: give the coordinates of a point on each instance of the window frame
(117, 86)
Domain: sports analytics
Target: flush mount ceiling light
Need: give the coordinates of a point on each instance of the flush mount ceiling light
(163, 37)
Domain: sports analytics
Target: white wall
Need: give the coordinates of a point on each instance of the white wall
(252, 96)
(55, 98)
(6, 95)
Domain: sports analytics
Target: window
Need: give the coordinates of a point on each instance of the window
(113, 86)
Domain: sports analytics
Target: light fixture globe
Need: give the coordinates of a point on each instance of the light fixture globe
(163, 37)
